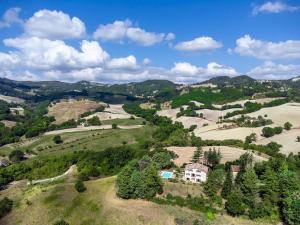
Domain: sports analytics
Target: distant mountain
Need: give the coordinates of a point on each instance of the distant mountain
(40, 90)
(226, 80)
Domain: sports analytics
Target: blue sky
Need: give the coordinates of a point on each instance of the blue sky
(183, 41)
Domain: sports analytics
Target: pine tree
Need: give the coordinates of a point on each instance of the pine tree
(249, 187)
(234, 205)
(228, 185)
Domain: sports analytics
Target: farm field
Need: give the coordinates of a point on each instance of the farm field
(11, 99)
(289, 112)
(113, 111)
(96, 140)
(97, 205)
(66, 110)
(287, 139)
(8, 123)
(185, 154)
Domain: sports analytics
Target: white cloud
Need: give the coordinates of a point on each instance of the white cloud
(146, 61)
(143, 37)
(122, 63)
(54, 25)
(216, 69)
(270, 70)
(187, 72)
(113, 31)
(119, 30)
(247, 46)
(184, 68)
(199, 44)
(274, 7)
(10, 17)
(170, 37)
(47, 54)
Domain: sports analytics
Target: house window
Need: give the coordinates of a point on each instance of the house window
(198, 180)
(193, 175)
(187, 178)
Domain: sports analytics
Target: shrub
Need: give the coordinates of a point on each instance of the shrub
(16, 156)
(57, 139)
(79, 186)
(114, 126)
(287, 126)
(61, 222)
(5, 206)
(268, 132)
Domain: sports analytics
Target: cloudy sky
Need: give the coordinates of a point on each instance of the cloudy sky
(115, 41)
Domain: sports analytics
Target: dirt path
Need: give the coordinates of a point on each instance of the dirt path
(79, 129)
(69, 172)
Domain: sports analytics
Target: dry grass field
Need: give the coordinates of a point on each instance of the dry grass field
(113, 111)
(185, 154)
(66, 110)
(281, 114)
(10, 99)
(287, 139)
(98, 205)
(8, 123)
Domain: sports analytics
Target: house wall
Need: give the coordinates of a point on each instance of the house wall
(195, 176)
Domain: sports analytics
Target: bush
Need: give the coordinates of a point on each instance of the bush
(5, 206)
(79, 186)
(268, 132)
(114, 126)
(57, 139)
(287, 126)
(16, 156)
(61, 222)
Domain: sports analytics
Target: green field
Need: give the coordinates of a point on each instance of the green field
(98, 205)
(96, 140)
(124, 122)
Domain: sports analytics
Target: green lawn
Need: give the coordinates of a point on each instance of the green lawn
(124, 122)
(96, 140)
(98, 205)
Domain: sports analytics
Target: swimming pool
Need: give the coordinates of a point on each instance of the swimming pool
(166, 174)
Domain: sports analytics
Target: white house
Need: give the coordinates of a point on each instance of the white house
(195, 173)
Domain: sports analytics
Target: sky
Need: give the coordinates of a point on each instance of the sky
(117, 41)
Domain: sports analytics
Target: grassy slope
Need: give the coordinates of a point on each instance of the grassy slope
(208, 97)
(89, 140)
(98, 205)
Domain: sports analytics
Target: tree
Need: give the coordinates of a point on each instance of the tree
(114, 126)
(298, 138)
(270, 189)
(213, 157)
(228, 185)
(94, 121)
(123, 181)
(278, 130)
(197, 155)
(234, 205)
(57, 139)
(16, 156)
(288, 183)
(287, 126)
(268, 132)
(5, 206)
(163, 160)
(291, 208)
(61, 222)
(79, 186)
(249, 186)
(214, 182)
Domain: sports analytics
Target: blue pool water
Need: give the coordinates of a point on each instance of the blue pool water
(166, 175)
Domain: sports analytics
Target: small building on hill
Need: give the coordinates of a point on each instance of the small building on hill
(235, 169)
(195, 172)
